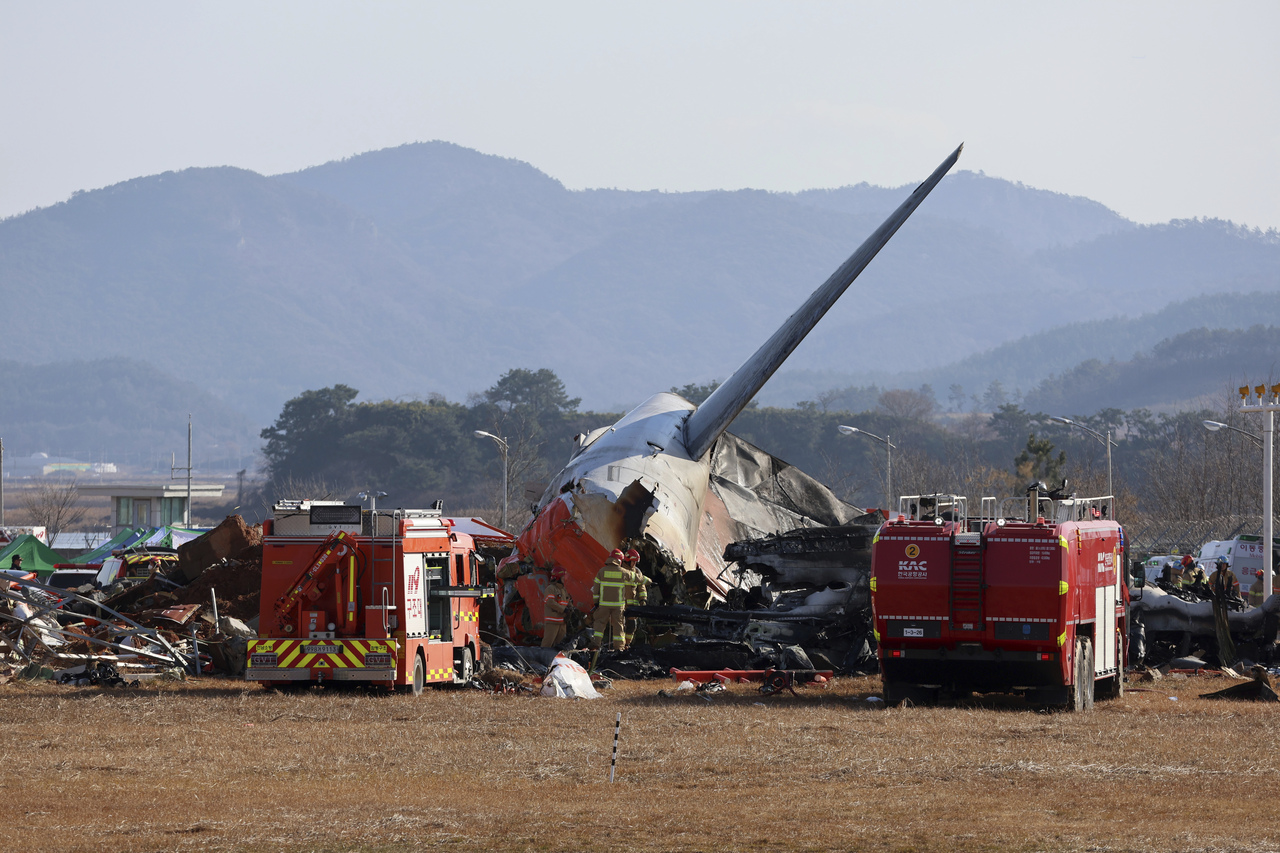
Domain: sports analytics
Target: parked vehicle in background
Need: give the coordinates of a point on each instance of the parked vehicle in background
(1243, 555)
(1153, 567)
(135, 564)
(72, 578)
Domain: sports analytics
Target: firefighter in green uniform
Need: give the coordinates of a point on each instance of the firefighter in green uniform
(555, 600)
(1193, 576)
(610, 594)
(1255, 591)
(637, 592)
(1226, 593)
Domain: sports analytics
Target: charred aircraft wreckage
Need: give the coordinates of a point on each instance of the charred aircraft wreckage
(739, 547)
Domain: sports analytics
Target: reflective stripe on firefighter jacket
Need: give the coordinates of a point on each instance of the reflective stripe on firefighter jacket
(1193, 576)
(610, 587)
(553, 602)
(637, 591)
(1255, 594)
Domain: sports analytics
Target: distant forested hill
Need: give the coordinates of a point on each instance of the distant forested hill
(119, 410)
(431, 268)
(1021, 364)
(1195, 368)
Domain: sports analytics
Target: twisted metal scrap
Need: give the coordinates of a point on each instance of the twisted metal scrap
(48, 599)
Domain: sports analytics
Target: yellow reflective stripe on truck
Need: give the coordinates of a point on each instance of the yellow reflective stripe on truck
(292, 654)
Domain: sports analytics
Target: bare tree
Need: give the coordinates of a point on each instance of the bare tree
(908, 405)
(54, 506)
(313, 488)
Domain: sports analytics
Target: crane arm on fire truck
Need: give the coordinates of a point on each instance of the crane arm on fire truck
(307, 583)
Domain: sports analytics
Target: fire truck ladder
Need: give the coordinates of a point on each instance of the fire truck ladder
(383, 568)
(309, 583)
(966, 582)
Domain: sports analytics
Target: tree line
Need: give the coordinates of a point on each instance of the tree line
(326, 443)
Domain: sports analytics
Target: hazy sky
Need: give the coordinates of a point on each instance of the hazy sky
(1159, 110)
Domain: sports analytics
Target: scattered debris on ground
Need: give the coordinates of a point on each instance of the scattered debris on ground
(164, 625)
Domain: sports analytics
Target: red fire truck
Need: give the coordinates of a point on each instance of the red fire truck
(386, 599)
(1028, 597)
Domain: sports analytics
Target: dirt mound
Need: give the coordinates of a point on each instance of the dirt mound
(237, 583)
(231, 538)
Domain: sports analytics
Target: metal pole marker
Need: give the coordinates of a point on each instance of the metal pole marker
(613, 763)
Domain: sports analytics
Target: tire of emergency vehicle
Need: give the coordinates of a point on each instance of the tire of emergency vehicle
(1113, 688)
(1082, 691)
(419, 675)
(465, 667)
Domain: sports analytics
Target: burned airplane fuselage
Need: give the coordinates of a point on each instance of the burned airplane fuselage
(644, 480)
(631, 482)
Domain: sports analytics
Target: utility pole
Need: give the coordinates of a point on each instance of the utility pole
(1, 482)
(1268, 403)
(186, 515)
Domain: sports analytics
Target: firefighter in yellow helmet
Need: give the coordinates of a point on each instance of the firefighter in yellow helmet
(637, 591)
(555, 600)
(610, 594)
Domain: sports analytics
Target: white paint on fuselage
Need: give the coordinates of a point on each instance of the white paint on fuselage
(629, 451)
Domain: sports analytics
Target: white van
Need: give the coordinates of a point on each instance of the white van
(1153, 567)
(1243, 554)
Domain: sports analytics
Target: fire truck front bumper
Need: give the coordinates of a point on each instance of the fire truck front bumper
(321, 659)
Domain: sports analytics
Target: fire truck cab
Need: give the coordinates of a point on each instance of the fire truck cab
(386, 599)
(1028, 597)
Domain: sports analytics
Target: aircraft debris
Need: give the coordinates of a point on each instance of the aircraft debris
(1167, 623)
(1259, 688)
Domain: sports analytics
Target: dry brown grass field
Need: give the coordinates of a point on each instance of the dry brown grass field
(215, 764)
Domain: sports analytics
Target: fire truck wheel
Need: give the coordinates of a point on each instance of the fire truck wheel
(419, 675)
(1082, 690)
(465, 667)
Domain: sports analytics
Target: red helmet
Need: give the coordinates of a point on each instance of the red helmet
(633, 556)
(557, 572)
(616, 555)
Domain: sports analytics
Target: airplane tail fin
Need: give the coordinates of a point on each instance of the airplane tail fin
(713, 417)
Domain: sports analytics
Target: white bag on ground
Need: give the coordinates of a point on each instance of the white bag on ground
(567, 680)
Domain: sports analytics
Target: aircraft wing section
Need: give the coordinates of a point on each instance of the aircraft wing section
(713, 417)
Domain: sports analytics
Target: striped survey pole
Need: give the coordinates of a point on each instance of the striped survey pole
(613, 764)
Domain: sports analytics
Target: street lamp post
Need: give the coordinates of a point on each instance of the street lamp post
(1214, 426)
(502, 446)
(1270, 404)
(888, 470)
(1111, 493)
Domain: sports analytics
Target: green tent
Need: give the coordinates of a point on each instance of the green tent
(36, 556)
(97, 555)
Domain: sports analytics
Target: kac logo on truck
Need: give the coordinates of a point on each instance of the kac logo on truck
(910, 568)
